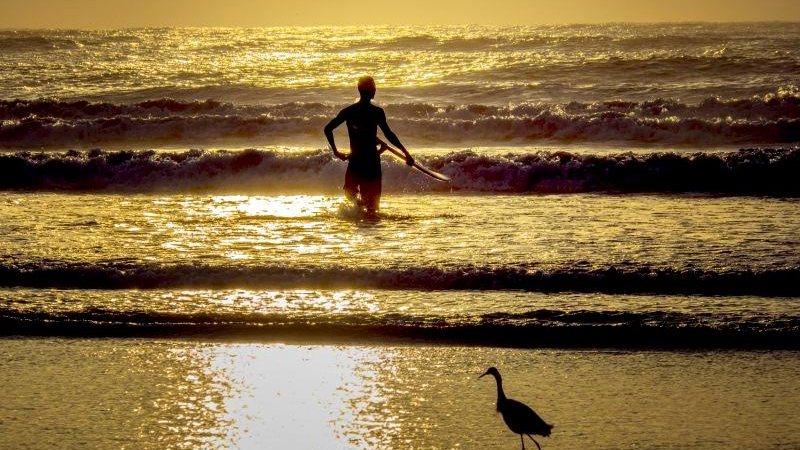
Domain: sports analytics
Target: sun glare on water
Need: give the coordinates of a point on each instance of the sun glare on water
(247, 227)
(284, 396)
(283, 206)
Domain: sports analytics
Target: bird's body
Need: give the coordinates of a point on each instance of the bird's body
(519, 418)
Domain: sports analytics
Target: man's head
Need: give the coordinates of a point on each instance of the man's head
(366, 87)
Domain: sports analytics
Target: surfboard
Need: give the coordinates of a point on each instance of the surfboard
(418, 166)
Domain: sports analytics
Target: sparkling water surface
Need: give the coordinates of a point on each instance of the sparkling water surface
(413, 231)
(439, 64)
(190, 247)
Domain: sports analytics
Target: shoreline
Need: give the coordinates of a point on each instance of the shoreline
(667, 340)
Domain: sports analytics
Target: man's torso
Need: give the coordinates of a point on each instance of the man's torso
(362, 127)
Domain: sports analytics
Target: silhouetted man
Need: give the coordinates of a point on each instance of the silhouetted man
(364, 161)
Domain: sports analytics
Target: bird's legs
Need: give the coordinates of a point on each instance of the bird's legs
(522, 439)
(534, 441)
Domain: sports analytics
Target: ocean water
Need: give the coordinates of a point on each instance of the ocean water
(621, 238)
(694, 85)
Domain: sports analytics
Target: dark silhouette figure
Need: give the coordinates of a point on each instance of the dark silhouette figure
(518, 416)
(362, 182)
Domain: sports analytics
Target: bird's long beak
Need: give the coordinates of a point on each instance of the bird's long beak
(487, 373)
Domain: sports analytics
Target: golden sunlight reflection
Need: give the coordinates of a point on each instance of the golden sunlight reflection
(599, 231)
(244, 227)
(297, 397)
(277, 206)
(183, 394)
(296, 301)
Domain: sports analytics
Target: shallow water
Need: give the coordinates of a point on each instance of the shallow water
(184, 394)
(657, 271)
(685, 231)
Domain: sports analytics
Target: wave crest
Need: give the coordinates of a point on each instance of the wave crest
(644, 279)
(539, 328)
(784, 103)
(772, 118)
(746, 172)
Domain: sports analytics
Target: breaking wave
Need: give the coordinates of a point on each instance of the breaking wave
(784, 104)
(772, 118)
(748, 171)
(643, 279)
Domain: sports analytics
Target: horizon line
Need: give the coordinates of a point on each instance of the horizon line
(541, 24)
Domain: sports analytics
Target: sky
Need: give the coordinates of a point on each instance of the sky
(254, 13)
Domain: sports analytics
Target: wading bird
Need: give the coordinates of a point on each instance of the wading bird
(518, 416)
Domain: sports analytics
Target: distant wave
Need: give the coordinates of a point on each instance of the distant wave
(783, 104)
(499, 42)
(644, 279)
(537, 328)
(416, 39)
(772, 118)
(490, 65)
(20, 109)
(746, 172)
(25, 42)
(771, 106)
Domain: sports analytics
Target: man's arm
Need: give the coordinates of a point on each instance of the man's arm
(338, 120)
(393, 138)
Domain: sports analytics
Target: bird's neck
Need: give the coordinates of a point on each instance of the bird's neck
(501, 396)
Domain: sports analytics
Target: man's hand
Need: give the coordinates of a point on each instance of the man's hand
(340, 155)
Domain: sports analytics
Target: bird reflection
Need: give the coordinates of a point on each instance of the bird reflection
(520, 418)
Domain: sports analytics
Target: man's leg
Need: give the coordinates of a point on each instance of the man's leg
(371, 194)
(351, 188)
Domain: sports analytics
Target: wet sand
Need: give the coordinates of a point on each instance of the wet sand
(137, 393)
